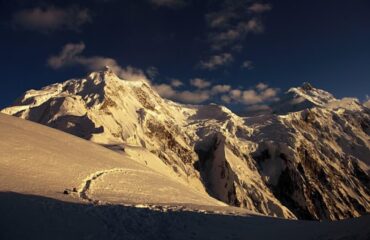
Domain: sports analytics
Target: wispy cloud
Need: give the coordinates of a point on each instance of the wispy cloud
(233, 35)
(217, 89)
(167, 91)
(260, 7)
(216, 61)
(176, 83)
(260, 93)
(220, 19)
(71, 55)
(247, 65)
(200, 83)
(232, 23)
(255, 98)
(261, 86)
(169, 3)
(204, 90)
(52, 18)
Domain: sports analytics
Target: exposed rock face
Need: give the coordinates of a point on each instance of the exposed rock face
(319, 153)
(311, 161)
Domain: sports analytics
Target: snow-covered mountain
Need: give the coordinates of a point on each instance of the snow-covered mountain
(306, 96)
(309, 160)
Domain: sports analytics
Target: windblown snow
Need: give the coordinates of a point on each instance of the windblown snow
(309, 159)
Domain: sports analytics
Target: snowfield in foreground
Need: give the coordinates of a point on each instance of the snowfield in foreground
(111, 196)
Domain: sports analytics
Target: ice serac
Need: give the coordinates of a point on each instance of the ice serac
(309, 160)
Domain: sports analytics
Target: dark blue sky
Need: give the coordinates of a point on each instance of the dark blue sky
(324, 42)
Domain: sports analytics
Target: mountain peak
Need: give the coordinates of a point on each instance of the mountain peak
(105, 74)
(108, 71)
(299, 98)
(307, 86)
(317, 96)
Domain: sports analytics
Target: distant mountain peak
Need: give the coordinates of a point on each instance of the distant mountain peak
(307, 86)
(104, 74)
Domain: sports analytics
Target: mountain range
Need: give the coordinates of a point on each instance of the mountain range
(306, 159)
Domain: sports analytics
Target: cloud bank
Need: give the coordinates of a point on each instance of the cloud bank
(255, 97)
(71, 56)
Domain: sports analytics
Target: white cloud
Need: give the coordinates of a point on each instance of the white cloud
(248, 65)
(233, 21)
(193, 97)
(199, 83)
(52, 18)
(71, 56)
(67, 55)
(260, 7)
(259, 94)
(253, 25)
(204, 91)
(169, 3)
(269, 93)
(219, 19)
(235, 34)
(261, 86)
(255, 98)
(216, 61)
(251, 97)
(220, 89)
(235, 94)
(176, 83)
(165, 90)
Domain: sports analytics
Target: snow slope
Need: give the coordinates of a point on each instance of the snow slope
(38, 163)
(317, 145)
(43, 161)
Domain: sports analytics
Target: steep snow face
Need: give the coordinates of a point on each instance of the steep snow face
(311, 164)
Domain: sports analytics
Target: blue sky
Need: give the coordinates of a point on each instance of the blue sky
(232, 52)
